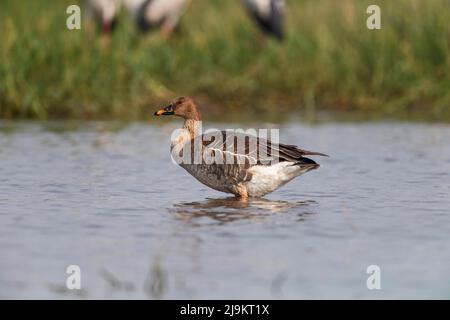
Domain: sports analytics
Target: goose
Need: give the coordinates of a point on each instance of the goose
(269, 14)
(245, 172)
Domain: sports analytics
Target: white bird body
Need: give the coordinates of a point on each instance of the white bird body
(262, 7)
(154, 13)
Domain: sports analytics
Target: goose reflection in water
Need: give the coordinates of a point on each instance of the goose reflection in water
(230, 209)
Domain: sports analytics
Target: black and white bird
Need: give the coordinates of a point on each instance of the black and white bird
(244, 172)
(152, 14)
(165, 14)
(148, 14)
(269, 14)
(104, 12)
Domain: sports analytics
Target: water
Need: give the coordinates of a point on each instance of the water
(108, 199)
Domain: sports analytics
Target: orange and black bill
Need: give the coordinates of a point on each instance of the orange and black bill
(166, 111)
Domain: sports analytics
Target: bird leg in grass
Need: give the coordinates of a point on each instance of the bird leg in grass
(166, 30)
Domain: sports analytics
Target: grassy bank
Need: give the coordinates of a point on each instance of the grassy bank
(329, 61)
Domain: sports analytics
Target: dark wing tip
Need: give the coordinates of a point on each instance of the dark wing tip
(318, 154)
(307, 163)
(303, 152)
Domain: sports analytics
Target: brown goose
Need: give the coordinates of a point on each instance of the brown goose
(253, 168)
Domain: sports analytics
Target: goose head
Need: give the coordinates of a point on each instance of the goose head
(183, 107)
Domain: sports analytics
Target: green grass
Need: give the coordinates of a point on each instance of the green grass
(329, 61)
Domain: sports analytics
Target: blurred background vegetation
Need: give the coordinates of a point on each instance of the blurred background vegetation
(329, 61)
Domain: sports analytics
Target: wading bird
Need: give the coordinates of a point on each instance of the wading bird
(244, 172)
(269, 14)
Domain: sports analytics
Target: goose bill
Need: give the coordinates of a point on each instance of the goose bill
(167, 111)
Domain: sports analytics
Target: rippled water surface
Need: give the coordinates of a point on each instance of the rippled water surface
(108, 198)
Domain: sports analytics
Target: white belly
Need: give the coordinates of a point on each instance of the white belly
(266, 179)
